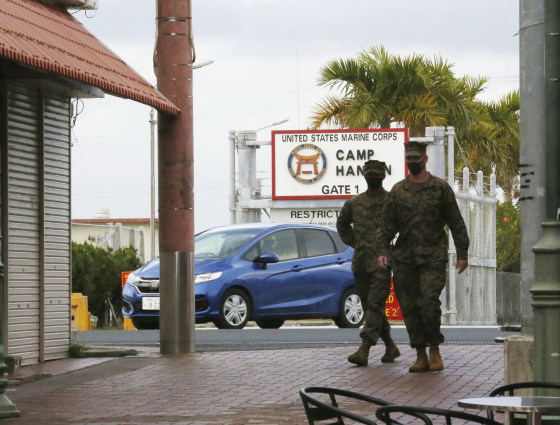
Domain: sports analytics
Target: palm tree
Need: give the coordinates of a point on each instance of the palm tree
(491, 144)
(379, 89)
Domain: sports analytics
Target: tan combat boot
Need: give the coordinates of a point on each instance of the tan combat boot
(435, 362)
(360, 357)
(421, 363)
(391, 352)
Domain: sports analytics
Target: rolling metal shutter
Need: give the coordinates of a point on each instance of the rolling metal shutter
(23, 267)
(57, 248)
(38, 225)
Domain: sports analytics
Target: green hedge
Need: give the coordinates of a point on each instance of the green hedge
(97, 274)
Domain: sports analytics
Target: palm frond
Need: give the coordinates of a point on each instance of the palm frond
(330, 112)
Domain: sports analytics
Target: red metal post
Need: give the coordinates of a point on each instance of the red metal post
(174, 61)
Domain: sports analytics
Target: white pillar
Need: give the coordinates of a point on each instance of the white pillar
(232, 187)
(247, 158)
(436, 151)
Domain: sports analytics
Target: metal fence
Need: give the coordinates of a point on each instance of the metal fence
(471, 295)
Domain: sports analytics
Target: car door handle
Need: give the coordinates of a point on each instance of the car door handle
(341, 260)
(297, 268)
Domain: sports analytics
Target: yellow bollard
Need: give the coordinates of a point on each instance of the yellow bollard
(128, 324)
(81, 317)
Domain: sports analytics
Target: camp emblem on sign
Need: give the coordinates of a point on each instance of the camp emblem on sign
(307, 163)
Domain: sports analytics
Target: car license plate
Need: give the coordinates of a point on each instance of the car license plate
(150, 303)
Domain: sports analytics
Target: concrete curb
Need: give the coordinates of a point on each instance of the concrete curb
(92, 351)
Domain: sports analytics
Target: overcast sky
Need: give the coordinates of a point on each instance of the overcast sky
(267, 55)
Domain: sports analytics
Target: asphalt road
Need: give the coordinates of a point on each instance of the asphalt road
(211, 339)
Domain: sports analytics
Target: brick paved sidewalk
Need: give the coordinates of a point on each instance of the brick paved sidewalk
(250, 387)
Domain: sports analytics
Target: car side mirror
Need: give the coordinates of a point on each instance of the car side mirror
(266, 258)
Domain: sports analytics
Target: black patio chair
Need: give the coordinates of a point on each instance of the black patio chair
(426, 414)
(516, 418)
(317, 409)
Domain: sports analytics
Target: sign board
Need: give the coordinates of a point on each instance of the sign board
(328, 164)
(320, 216)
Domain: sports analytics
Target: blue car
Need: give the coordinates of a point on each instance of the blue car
(266, 272)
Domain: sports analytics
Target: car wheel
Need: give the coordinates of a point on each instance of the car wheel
(269, 323)
(351, 312)
(235, 310)
(142, 323)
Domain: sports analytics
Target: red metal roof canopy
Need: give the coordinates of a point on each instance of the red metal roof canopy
(50, 39)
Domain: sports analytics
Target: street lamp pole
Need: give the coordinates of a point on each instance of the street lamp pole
(546, 286)
(245, 143)
(153, 124)
(274, 124)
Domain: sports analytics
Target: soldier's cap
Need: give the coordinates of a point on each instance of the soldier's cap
(374, 167)
(413, 148)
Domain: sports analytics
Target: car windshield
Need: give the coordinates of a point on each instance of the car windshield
(221, 244)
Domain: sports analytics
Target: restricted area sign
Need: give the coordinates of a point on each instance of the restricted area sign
(320, 216)
(328, 164)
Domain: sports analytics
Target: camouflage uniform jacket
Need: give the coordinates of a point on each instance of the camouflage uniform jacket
(357, 225)
(418, 212)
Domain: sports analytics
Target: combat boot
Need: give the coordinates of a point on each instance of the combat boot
(421, 364)
(360, 357)
(435, 361)
(391, 352)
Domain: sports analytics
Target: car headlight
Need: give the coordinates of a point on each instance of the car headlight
(133, 279)
(206, 277)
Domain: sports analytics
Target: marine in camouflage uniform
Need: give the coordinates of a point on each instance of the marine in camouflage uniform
(418, 208)
(357, 225)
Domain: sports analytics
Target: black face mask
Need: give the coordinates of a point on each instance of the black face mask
(415, 167)
(374, 182)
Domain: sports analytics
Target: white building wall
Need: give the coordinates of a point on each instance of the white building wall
(117, 233)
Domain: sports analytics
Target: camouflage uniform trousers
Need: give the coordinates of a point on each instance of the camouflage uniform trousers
(418, 288)
(374, 288)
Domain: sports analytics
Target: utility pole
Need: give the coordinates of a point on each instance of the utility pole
(519, 349)
(174, 63)
(532, 198)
